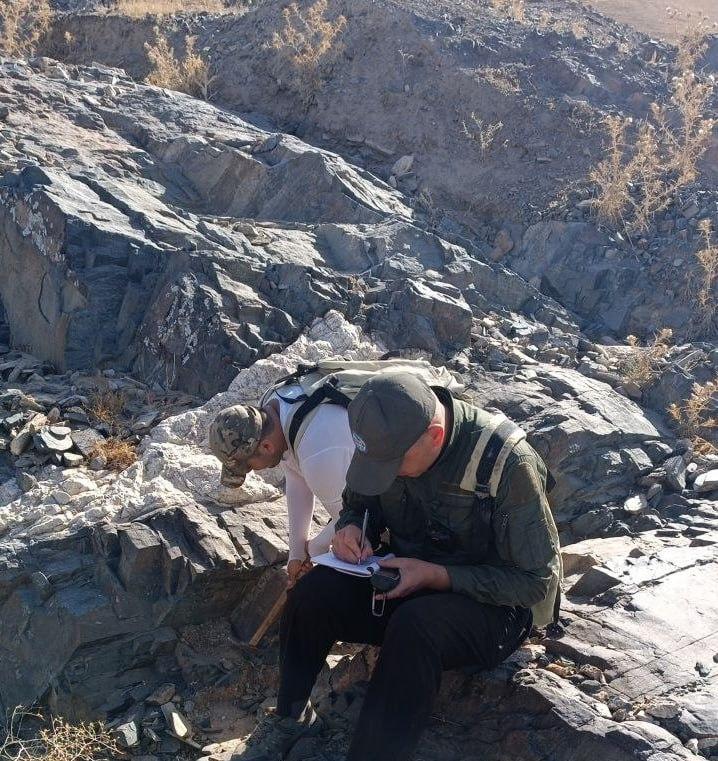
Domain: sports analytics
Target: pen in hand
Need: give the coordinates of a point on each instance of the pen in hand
(363, 535)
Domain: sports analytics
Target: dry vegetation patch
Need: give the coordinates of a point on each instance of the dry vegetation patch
(697, 417)
(309, 42)
(705, 285)
(642, 364)
(190, 74)
(142, 8)
(56, 741)
(481, 132)
(117, 453)
(23, 24)
(648, 162)
(515, 9)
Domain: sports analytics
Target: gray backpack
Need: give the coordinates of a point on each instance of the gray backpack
(337, 381)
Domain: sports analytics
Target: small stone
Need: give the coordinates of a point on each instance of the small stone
(76, 415)
(654, 494)
(61, 497)
(715, 658)
(616, 702)
(620, 714)
(46, 441)
(691, 210)
(665, 709)
(127, 735)
(4, 113)
(706, 481)
(595, 581)
(72, 459)
(178, 725)
(85, 440)
(98, 462)
(145, 421)
(22, 441)
(12, 421)
(703, 668)
(78, 484)
(163, 694)
(592, 672)
(692, 745)
(563, 671)
(27, 482)
(591, 686)
(60, 430)
(403, 165)
(636, 504)
(675, 470)
(54, 415)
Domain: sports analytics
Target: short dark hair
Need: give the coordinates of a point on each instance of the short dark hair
(268, 424)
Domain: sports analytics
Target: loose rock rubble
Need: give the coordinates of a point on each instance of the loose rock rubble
(170, 258)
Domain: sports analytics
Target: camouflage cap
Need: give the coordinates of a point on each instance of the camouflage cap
(233, 437)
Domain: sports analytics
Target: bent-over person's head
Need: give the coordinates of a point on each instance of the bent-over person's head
(399, 427)
(245, 438)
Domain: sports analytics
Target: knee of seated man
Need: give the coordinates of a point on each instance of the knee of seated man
(411, 621)
(313, 591)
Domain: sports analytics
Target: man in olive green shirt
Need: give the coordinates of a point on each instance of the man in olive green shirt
(477, 552)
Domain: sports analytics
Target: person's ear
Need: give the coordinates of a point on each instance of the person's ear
(265, 447)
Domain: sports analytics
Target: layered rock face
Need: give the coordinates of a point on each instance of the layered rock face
(146, 231)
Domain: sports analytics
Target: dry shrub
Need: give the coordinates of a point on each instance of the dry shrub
(515, 9)
(480, 131)
(106, 406)
(142, 8)
(705, 283)
(642, 364)
(118, 454)
(503, 80)
(190, 75)
(23, 23)
(309, 41)
(697, 417)
(641, 176)
(57, 741)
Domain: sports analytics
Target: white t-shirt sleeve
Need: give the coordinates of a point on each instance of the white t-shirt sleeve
(325, 474)
(300, 505)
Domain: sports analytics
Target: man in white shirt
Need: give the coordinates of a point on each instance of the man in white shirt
(246, 438)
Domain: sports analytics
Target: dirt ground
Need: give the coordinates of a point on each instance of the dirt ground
(651, 16)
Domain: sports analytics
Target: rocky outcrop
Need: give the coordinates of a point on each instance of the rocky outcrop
(148, 231)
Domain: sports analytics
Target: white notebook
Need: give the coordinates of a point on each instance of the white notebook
(367, 568)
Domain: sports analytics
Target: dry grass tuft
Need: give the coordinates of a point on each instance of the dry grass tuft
(58, 741)
(697, 417)
(642, 174)
(142, 8)
(310, 43)
(705, 283)
(642, 364)
(23, 24)
(190, 75)
(106, 406)
(480, 132)
(515, 9)
(118, 454)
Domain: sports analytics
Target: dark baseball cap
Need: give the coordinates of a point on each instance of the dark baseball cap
(386, 418)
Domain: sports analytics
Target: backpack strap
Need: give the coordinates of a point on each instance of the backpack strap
(326, 393)
(486, 465)
(287, 380)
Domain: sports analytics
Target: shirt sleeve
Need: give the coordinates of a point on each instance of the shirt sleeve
(300, 506)
(325, 474)
(523, 541)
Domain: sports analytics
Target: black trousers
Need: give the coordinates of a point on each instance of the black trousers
(420, 636)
